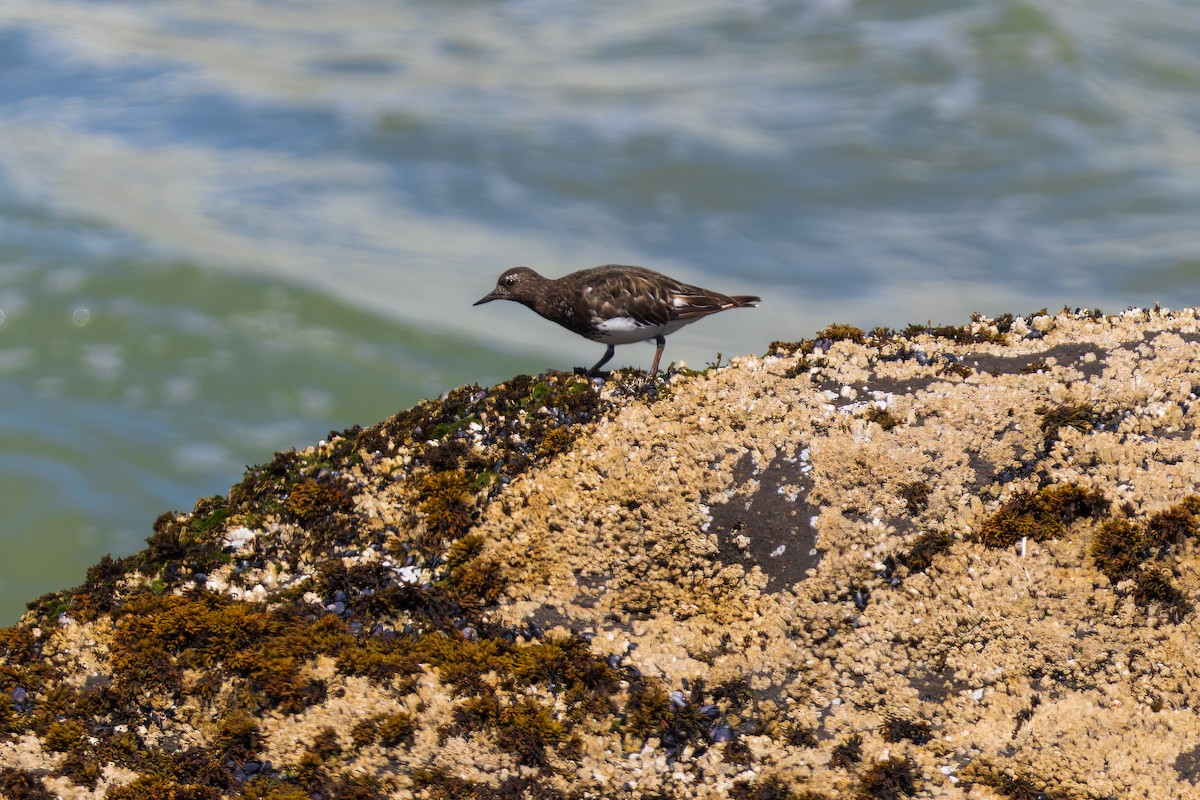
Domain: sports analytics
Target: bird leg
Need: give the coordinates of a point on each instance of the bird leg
(591, 373)
(661, 341)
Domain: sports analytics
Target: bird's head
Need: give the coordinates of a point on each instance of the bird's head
(514, 284)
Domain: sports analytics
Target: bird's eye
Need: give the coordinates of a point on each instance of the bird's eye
(509, 280)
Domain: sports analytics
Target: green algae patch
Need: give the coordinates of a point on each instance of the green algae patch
(447, 503)
(1174, 525)
(1127, 550)
(770, 787)
(891, 778)
(1118, 548)
(959, 334)
(1157, 587)
(1013, 786)
(1083, 417)
(840, 332)
(24, 784)
(157, 638)
(389, 730)
(881, 417)
(241, 661)
(525, 729)
(804, 347)
(1041, 515)
(310, 501)
(473, 428)
(915, 495)
(847, 753)
(897, 728)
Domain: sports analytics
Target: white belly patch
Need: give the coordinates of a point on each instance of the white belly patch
(626, 330)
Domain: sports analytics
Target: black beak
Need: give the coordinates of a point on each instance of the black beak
(486, 299)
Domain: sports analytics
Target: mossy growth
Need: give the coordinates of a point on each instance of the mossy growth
(475, 584)
(21, 783)
(18, 645)
(955, 369)
(565, 664)
(480, 438)
(182, 543)
(463, 550)
(694, 716)
(265, 488)
(925, 548)
(435, 783)
(840, 332)
(241, 661)
(1015, 786)
(1173, 525)
(238, 736)
(897, 728)
(959, 334)
(389, 730)
(396, 729)
(1157, 587)
(1124, 550)
(526, 728)
(476, 670)
(463, 448)
(208, 517)
(804, 347)
(650, 712)
(1118, 548)
(261, 652)
(848, 753)
(915, 495)
(267, 788)
(310, 501)
(1041, 515)
(770, 787)
(438, 783)
(1003, 323)
(81, 768)
(153, 787)
(100, 586)
(1080, 416)
(65, 735)
(1033, 367)
(472, 428)
(888, 779)
(881, 417)
(801, 736)
(447, 503)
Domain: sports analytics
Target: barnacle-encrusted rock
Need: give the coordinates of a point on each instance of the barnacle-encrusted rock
(952, 562)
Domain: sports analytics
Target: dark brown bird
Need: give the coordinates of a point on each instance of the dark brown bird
(614, 304)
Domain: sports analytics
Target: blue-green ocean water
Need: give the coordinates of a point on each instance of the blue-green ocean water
(227, 228)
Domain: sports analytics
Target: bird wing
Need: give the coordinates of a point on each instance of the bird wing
(651, 298)
(619, 295)
(698, 303)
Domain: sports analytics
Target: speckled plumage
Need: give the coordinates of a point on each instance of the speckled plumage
(614, 304)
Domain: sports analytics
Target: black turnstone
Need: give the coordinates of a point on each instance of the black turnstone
(614, 304)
